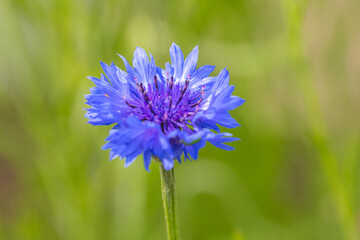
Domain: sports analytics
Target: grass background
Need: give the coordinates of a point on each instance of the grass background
(294, 175)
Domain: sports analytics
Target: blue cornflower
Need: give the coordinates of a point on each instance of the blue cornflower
(162, 113)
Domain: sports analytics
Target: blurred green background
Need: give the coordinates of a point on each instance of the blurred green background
(294, 175)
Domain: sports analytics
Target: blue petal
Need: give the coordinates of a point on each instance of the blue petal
(134, 137)
(223, 97)
(225, 119)
(128, 68)
(168, 163)
(204, 123)
(160, 74)
(235, 102)
(190, 63)
(103, 84)
(222, 81)
(193, 150)
(219, 142)
(177, 60)
(141, 64)
(197, 84)
(202, 72)
(130, 159)
(100, 117)
(147, 159)
(169, 71)
(110, 72)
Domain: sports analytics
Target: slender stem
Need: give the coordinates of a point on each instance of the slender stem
(168, 199)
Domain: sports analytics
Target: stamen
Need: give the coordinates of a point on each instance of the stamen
(129, 104)
(151, 108)
(162, 127)
(106, 95)
(165, 121)
(171, 82)
(156, 82)
(171, 106)
(174, 125)
(166, 125)
(193, 113)
(187, 82)
(199, 101)
(170, 103)
(201, 93)
(138, 86)
(142, 89)
(183, 91)
(146, 97)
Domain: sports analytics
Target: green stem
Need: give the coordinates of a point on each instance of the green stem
(168, 199)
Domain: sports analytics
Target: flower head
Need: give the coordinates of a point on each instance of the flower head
(162, 113)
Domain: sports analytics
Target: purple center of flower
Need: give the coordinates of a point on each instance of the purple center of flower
(170, 104)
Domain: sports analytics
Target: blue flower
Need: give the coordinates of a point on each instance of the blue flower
(161, 113)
